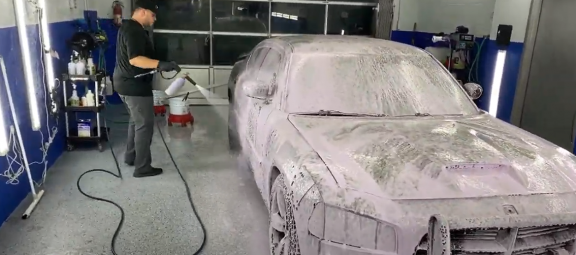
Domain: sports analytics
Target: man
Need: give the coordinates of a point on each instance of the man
(135, 55)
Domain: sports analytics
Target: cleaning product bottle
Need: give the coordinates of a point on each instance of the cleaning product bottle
(74, 99)
(80, 68)
(71, 66)
(84, 101)
(91, 67)
(90, 98)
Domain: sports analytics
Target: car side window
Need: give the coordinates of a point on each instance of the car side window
(270, 67)
(255, 61)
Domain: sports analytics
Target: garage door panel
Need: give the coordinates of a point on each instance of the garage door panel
(550, 102)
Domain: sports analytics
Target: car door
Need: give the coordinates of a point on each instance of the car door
(266, 75)
(246, 106)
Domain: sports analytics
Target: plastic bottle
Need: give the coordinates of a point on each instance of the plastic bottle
(71, 66)
(80, 68)
(84, 101)
(91, 67)
(90, 98)
(74, 99)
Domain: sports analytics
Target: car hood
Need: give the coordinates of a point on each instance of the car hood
(435, 157)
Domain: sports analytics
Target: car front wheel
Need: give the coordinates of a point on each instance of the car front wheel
(283, 236)
(233, 144)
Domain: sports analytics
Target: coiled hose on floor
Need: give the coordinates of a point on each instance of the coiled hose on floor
(119, 175)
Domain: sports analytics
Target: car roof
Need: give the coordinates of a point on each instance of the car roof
(345, 44)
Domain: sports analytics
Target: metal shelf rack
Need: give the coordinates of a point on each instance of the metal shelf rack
(99, 134)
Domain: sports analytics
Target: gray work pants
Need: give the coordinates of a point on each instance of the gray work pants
(140, 131)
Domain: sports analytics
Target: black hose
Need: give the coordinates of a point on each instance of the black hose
(119, 175)
(188, 193)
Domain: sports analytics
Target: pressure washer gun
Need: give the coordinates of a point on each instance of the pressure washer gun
(148, 73)
(155, 71)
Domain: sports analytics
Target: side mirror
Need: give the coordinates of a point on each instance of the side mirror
(474, 90)
(243, 56)
(255, 89)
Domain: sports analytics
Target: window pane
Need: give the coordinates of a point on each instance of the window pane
(357, 1)
(185, 49)
(257, 57)
(227, 49)
(183, 15)
(291, 18)
(269, 67)
(235, 16)
(353, 20)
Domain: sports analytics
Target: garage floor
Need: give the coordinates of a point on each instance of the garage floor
(159, 219)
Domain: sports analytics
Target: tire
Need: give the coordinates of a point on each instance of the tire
(232, 142)
(230, 96)
(282, 226)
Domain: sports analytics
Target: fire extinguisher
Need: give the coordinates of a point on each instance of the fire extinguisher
(117, 12)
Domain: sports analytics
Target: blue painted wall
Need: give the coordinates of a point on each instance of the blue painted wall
(11, 195)
(486, 68)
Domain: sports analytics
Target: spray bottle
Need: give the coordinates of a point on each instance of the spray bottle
(91, 67)
(90, 98)
(71, 66)
(74, 99)
(80, 68)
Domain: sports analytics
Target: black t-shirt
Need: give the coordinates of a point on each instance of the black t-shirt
(132, 41)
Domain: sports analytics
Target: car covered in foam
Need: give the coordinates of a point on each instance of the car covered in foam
(366, 146)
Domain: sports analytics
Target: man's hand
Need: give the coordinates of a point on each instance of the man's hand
(165, 66)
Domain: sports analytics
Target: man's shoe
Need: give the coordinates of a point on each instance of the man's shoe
(148, 173)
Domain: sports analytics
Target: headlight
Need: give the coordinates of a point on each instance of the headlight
(346, 227)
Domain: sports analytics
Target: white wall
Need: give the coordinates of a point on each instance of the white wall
(511, 12)
(7, 14)
(104, 8)
(58, 10)
(406, 14)
(63, 10)
(435, 16)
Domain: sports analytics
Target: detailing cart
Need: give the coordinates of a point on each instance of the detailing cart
(98, 134)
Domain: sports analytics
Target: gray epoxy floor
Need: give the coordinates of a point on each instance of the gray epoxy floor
(159, 219)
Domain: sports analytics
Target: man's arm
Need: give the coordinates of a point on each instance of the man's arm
(144, 62)
(136, 50)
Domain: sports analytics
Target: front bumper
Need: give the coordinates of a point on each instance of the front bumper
(511, 234)
(331, 248)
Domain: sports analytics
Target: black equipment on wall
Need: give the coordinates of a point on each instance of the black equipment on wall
(504, 35)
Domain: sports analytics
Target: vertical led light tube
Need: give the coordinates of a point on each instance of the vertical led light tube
(503, 37)
(3, 138)
(47, 47)
(20, 11)
(497, 82)
(25, 163)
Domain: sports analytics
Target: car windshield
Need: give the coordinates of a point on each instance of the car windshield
(392, 85)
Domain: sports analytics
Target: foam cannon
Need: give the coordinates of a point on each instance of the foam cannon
(174, 89)
(438, 236)
(177, 84)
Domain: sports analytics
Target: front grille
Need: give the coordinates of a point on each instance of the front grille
(494, 241)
